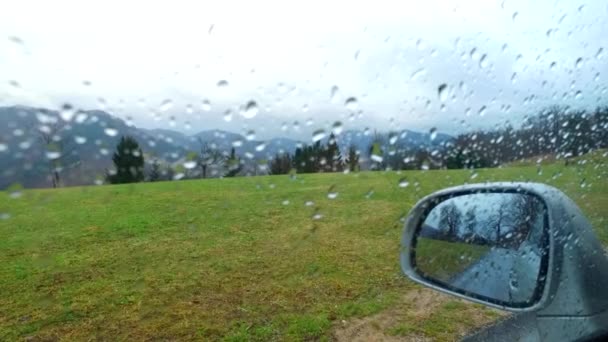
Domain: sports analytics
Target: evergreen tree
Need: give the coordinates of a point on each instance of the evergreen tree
(353, 158)
(128, 161)
(333, 159)
(281, 164)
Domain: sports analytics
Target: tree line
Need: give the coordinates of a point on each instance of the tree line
(559, 131)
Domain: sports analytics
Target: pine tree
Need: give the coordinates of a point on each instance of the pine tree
(353, 158)
(333, 159)
(128, 162)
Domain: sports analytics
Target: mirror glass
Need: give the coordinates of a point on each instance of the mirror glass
(486, 245)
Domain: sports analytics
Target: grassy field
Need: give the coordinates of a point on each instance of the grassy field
(260, 258)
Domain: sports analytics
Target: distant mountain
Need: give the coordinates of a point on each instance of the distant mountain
(85, 141)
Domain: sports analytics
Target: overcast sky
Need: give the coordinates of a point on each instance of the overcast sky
(152, 61)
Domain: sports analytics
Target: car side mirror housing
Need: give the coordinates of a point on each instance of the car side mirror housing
(522, 247)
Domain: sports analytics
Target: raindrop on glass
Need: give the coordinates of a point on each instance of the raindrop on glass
(403, 183)
(483, 61)
(579, 63)
(166, 105)
(332, 193)
(228, 115)
(433, 133)
(318, 135)
(336, 128)
(351, 104)
(191, 164)
(206, 105)
(222, 84)
(80, 140)
(67, 112)
(442, 92)
(53, 155)
(111, 132)
(251, 110)
(334, 94)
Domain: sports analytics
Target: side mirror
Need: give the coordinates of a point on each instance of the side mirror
(521, 247)
(492, 246)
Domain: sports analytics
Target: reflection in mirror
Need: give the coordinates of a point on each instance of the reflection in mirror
(485, 244)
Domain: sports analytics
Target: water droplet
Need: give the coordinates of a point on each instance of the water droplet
(67, 112)
(600, 53)
(482, 111)
(190, 164)
(433, 133)
(309, 203)
(228, 115)
(514, 16)
(579, 63)
(336, 128)
(206, 105)
(553, 65)
(318, 135)
(351, 104)
(237, 143)
(578, 95)
(296, 126)
(260, 147)
(111, 132)
(442, 92)
(369, 193)
(5, 216)
(53, 155)
(332, 193)
(514, 78)
(165, 105)
(250, 135)
(483, 61)
(334, 94)
(403, 183)
(3, 147)
(317, 216)
(285, 202)
(222, 84)
(418, 73)
(251, 110)
(80, 140)
(179, 176)
(14, 84)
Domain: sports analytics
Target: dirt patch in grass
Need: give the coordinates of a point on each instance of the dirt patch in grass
(413, 319)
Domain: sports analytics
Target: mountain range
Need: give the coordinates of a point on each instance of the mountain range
(86, 139)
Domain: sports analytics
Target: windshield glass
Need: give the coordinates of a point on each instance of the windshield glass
(243, 170)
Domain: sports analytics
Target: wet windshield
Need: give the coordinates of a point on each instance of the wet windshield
(243, 171)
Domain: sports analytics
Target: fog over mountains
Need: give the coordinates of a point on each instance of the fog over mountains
(86, 141)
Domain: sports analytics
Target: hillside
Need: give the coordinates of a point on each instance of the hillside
(245, 258)
(86, 140)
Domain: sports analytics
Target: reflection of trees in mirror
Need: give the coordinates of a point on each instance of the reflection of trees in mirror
(497, 219)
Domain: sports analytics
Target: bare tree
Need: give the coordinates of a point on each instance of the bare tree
(58, 152)
(450, 217)
(209, 157)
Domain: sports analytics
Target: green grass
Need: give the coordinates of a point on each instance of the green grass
(226, 259)
(442, 260)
